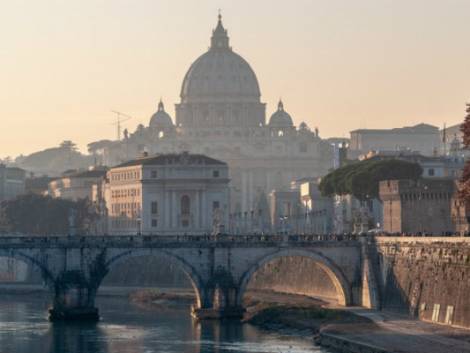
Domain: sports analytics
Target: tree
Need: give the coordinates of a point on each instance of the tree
(465, 128)
(43, 215)
(361, 179)
(464, 187)
(69, 146)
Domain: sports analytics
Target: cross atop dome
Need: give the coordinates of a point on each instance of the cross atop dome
(280, 105)
(219, 38)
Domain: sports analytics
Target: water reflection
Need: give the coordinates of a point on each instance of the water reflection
(76, 338)
(128, 328)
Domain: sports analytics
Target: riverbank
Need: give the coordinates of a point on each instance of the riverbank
(357, 330)
(279, 312)
(346, 330)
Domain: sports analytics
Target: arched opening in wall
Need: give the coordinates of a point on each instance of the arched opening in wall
(150, 278)
(295, 279)
(14, 270)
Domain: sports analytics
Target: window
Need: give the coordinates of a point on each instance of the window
(154, 207)
(154, 223)
(185, 205)
(215, 173)
(431, 172)
(215, 205)
(154, 174)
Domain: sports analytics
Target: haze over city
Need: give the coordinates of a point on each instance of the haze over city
(338, 65)
(235, 176)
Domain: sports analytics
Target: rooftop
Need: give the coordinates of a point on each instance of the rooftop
(184, 158)
(420, 128)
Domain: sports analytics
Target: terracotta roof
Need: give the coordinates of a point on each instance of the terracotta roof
(95, 173)
(173, 158)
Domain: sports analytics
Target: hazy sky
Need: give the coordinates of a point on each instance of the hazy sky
(338, 64)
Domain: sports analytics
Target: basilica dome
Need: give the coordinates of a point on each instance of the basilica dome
(161, 119)
(220, 74)
(280, 118)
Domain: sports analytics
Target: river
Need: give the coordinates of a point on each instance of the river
(130, 328)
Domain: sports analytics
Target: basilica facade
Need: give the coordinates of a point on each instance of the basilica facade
(221, 115)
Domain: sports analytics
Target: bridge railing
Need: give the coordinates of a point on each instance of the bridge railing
(162, 239)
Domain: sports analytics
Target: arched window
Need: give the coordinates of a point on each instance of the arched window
(185, 205)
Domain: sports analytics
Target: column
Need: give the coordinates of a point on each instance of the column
(250, 190)
(166, 200)
(204, 210)
(197, 210)
(175, 210)
(244, 195)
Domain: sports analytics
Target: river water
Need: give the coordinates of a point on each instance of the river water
(130, 328)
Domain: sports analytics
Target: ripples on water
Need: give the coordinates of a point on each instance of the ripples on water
(127, 328)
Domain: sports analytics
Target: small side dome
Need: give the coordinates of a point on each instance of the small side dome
(303, 126)
(280, 118)
(161, 119)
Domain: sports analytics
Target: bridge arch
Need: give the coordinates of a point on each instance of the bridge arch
(47, 275)
(193, 276)
(341, 284)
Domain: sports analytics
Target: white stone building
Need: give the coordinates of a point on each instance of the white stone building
(12, 182)
(423, 138)
(76, 185)
(221, 115)
(168, 194)
(318, 209)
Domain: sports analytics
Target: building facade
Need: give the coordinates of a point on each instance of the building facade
(168, 194)
(221, 115)
(444, 166)
(12, 182)
(286, 211)
(76, 185)
(423, 206)
(318, 209)
(422, 138)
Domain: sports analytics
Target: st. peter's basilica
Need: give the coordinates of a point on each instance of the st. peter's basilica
(221, 115)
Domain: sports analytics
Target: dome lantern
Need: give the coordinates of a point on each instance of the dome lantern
(219, 38)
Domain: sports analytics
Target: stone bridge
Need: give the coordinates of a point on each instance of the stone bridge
(219, 267)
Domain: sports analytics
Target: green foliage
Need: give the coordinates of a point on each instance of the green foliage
(361, 179)
(44, 215)
(464, 188)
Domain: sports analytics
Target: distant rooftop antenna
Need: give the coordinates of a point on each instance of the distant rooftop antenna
(120, 118)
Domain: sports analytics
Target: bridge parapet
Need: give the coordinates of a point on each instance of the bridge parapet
(167, 241)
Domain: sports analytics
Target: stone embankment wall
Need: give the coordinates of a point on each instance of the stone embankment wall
(427, 277)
